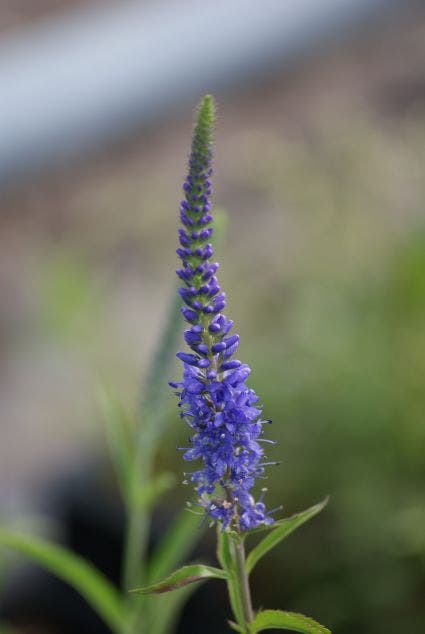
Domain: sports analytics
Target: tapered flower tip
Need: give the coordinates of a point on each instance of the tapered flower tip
(205, 119)
(206, 109)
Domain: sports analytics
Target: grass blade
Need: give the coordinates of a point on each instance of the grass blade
(74, 570)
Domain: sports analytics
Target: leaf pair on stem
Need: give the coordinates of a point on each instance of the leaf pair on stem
(227, 544)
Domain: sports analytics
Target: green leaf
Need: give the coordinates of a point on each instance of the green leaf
(278, 620)
(280, 530)
(175, 546)
(117, 426)
(155, 393)
(182, 577)
(71, 299)
(226, 557)
(224, 554)
(153, 403)
(74, 570)
(146, 495)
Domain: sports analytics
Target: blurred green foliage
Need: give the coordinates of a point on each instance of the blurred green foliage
(324, 266)
(70, 298)
(348, 398)
(328, 293)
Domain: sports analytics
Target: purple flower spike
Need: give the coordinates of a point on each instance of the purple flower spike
(221, 410)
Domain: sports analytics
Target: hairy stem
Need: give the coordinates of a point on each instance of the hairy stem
(240, 584)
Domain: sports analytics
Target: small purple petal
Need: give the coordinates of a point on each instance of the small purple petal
(230, 365)
(190, 359)
(218, 347)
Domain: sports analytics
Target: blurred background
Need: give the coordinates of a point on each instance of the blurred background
(320, 166)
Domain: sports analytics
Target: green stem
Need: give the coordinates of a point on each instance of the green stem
(137, 533)
(136, 528)
(239, 585)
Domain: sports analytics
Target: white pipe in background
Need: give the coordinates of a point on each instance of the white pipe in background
(69, 84)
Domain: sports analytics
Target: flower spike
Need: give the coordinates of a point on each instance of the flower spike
(216, 403)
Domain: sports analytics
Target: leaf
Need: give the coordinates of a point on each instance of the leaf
(182, 577)
(147, 494)
(74, 570)
(226, 557)
(118, 437)
(175, 546)
(155, 390)
(146, 439)
(72, 301)
(276, 619)
(280, 530)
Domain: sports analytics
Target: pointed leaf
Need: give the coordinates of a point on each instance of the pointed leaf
(281, 529)
(278, 620)
(182, 577)
(74, 570)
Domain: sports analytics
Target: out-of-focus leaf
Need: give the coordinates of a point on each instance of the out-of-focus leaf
(281, 529)
(175, 546)
(148, 494)
(117, 427)
(161, 367)
(74, 570)
(153, 405)
(71, 300)
(182, 577)
(278, 620)
(5, 629)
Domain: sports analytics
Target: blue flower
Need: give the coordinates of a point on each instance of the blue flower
(223, 413)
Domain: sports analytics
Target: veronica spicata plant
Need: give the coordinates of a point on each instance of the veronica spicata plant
(222, 412)
(226, 440)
